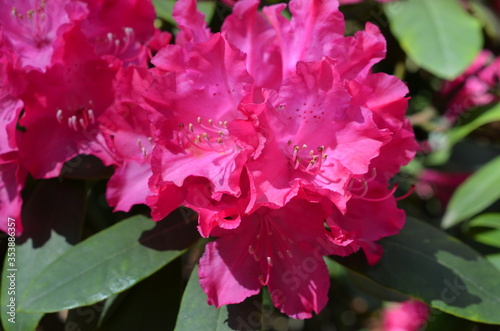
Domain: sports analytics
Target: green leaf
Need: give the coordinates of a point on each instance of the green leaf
(490, 236)
(475, 194)
(132, 311)
(440, 36)
(52, 218)
(456, 134)
(494, 259)
(196, 314)
(434, 267)
(489, 220)
(108, 263)
(164, 9)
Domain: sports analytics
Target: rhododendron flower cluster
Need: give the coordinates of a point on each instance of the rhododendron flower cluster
(280, 137)
(274, 130)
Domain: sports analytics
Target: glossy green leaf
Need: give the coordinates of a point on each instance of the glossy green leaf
(478, 192)
(440, 36)
(426, 263)
(108, 263)
(150, 305)
(52, 218)
(196, 314)
(494, 259)
(164, 9)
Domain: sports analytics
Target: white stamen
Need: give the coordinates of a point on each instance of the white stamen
(90, 112)
(269, 261)
(59, 115)
(82, 123)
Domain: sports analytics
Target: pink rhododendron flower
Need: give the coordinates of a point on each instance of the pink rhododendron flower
(270, 247)
(126, 127)
(322, 139)
(201, 124)
(475, 87)
(66, 101)
(33, 27)
(410, 315)
(121, 28)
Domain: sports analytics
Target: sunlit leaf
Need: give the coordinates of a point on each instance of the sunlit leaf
(479, 191)
(440, 36)
(108, 263)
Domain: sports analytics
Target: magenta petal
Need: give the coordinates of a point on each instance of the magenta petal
(12, 178)
(129, 185)
(231, 278)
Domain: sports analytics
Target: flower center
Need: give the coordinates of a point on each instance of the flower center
(122, 45)
(306, 159)
(78, 119)
(206, 136)
(32, 25)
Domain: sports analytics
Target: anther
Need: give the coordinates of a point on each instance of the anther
(90, 112)
(210, 122)
(296, 164)
(269, 261)
(304, 146)
(59, 115)
(199, 120)
(251, 250)
(205, 135)
(82, 123)
(191, 127)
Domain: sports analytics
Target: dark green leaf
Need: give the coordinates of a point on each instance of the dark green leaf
(430, 265)
(52, 218)
(150, 305)
(108, 263)
(440, 36)
(475, 194)
(196, 314)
